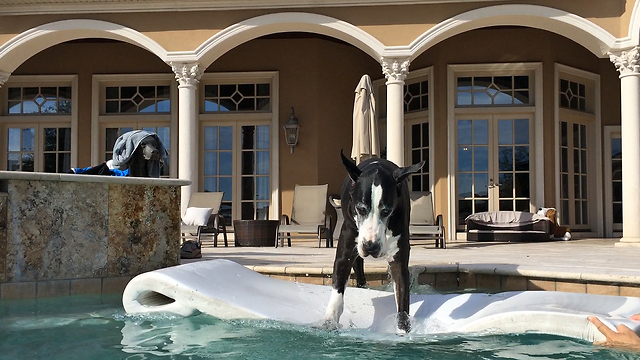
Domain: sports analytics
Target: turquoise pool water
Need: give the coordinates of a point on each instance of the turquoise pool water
(98, 328)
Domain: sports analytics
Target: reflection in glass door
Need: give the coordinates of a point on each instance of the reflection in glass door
(493, 164)
(218, 165)
(245, 179)
(616, 181)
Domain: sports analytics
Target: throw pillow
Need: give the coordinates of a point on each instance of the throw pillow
(196, 216)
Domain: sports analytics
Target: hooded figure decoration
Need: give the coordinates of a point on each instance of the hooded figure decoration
(140, 151)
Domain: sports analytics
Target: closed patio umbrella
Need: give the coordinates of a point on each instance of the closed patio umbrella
(365, 127)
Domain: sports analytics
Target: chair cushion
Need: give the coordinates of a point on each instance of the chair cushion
(196, 216)
(505, 218)
(421, 210)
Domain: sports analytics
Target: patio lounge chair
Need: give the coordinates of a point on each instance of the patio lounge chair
(423, 225)
(203, 218)
(308, 215)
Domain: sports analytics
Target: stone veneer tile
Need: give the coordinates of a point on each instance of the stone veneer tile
(630, 291)
(299, 270)
(571, 287)
(18, 291)
(85, 286)
(52, 288)
(603, 289)
(446, 281)
(145, 235)
(283, 277)
(56, 230)
(488, 282)
(427, 279)
(543, 285)
(467, 280)
(269, 269)
(3, 236)
(114, 285)
(514, 283)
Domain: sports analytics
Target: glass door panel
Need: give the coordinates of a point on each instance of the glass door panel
(574, 190)
(616, 181)
(21, 149)
(418, 150)
(513, 165)
(218, 165)
(473, 167)
(255, 165)
(57, 149)
(493, 169)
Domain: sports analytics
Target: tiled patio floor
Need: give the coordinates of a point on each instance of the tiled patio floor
(585, 265)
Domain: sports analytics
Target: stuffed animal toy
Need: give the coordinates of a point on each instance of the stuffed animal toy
(557, 231)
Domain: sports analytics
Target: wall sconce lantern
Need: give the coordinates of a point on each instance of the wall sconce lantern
(291, 129)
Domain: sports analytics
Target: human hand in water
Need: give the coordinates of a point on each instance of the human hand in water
(624, 337)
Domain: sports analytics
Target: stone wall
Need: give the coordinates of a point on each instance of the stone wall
(71, 234)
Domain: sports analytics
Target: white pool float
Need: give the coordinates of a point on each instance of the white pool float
(227, 290)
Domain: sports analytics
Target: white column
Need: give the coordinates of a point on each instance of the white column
(627, 64)
(188, 75)
(395, 70)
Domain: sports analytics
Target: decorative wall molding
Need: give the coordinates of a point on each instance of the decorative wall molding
(4, 77)
(626, 62)
(187, 74)
(31, 7)
(395, 69)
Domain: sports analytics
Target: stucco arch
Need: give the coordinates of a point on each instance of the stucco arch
(262, 25)
(25, 45)
(633, 39)
(582, 31)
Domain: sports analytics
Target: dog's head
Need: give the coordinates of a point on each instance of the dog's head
(378, 192)
(548, 212)
(149, 148)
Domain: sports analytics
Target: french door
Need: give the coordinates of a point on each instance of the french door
(493, 163)
(43, 147)
(613, 180)
(236, 159)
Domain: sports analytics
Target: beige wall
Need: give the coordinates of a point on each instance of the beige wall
(85, 59)
(318, 76)
(392, 25)
(514, 45)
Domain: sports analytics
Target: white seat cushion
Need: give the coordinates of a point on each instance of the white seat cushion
(196, 216)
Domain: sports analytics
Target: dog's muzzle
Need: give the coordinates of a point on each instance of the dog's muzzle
(370, 248)
(152, 155)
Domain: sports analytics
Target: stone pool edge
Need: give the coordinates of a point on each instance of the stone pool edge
(445, 277)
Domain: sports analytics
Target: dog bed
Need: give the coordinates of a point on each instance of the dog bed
(508, 226)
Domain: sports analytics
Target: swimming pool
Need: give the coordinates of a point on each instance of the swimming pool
(98, 328)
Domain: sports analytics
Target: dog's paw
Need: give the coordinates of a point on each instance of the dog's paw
(404, 324)
(328, 324)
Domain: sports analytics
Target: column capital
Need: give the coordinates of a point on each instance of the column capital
(4, 76)
(395, 69)
(626, 61)
(187, 74)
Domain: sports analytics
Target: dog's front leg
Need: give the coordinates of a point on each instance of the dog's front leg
(346, 254)
(400, 274)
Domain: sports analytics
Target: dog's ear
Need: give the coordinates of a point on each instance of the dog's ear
(402, 173)
(352, 168)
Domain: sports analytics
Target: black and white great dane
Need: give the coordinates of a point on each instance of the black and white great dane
(376, 208)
